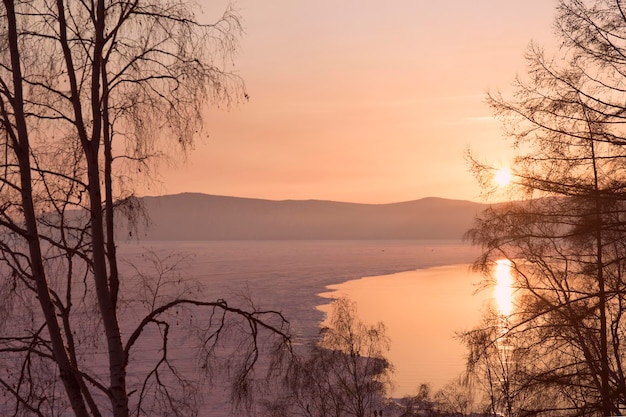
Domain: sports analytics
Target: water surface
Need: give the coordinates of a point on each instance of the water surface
(422, 310)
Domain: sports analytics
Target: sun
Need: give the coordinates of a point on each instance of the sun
(502, 177)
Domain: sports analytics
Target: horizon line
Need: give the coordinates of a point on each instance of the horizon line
(311, 199)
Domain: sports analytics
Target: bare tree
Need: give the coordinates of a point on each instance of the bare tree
(455, 398)
(421, 404)
(89, 93)
(344, 374)
(565, 241)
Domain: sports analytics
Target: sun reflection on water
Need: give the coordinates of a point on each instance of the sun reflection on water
(503, 291)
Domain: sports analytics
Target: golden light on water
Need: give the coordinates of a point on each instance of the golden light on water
(503, 291)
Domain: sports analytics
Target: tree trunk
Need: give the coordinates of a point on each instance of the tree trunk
(21, 147)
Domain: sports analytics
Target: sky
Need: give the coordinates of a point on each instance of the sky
(362, 101)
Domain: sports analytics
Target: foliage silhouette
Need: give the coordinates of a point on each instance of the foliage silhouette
(565, 240)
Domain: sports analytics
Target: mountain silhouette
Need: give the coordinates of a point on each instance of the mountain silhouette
(192, 216)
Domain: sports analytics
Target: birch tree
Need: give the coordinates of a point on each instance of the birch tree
(90, 93)
(345, 374)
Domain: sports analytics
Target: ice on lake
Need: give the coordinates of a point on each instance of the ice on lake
(422, 306)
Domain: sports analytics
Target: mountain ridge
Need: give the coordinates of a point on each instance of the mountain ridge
(197, 216)
(221, 196)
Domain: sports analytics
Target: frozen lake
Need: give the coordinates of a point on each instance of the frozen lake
(421, 290)
(289, 275)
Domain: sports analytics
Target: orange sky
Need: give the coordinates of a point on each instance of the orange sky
(363, 101)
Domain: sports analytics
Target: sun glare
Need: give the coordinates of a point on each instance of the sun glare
(502, 177)
(503, 292)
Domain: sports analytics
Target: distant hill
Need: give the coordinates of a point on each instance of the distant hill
(191, 216)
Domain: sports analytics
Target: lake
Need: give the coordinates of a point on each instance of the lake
(289, 276)
(421, 310)
(421, 290)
